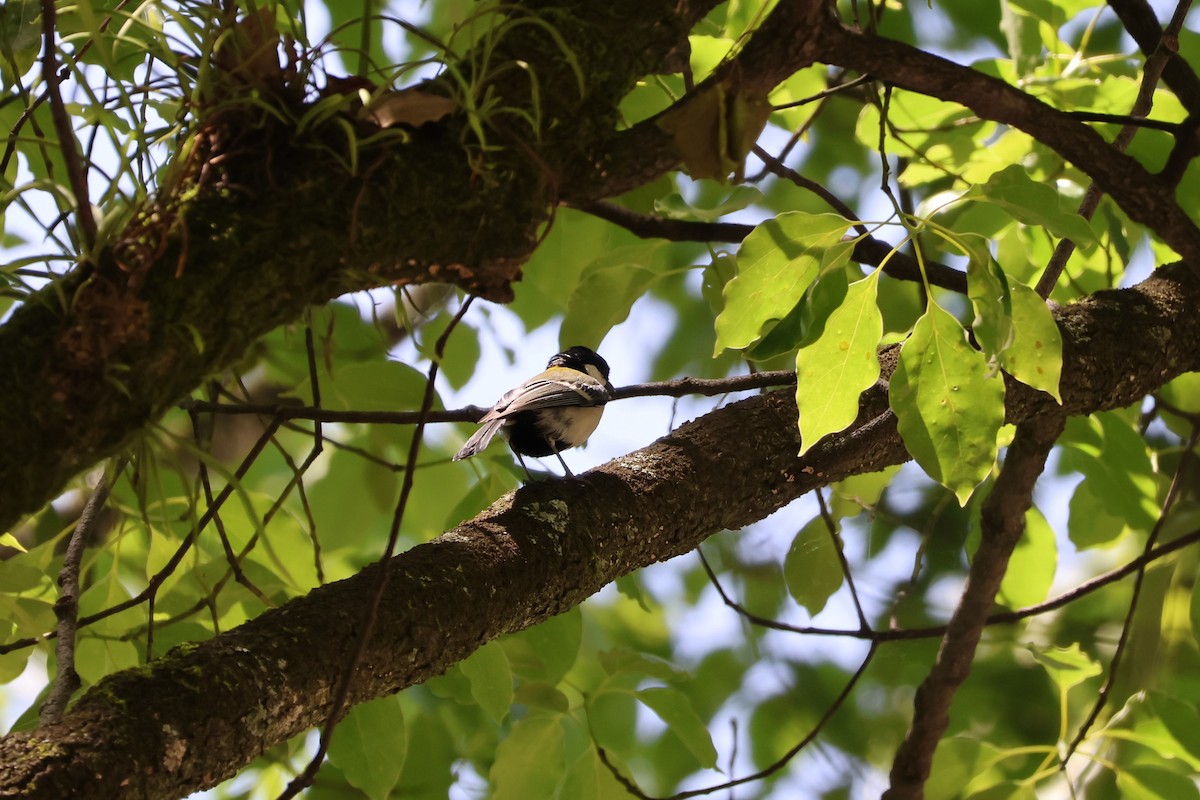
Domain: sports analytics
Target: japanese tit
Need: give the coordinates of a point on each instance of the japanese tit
(551, 412)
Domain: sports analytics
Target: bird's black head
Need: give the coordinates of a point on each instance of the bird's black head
(580, 358)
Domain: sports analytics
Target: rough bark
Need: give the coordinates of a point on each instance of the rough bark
(203, 711)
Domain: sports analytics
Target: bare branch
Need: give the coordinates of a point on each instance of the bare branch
(66, 608)
(1003, 523)
(76, 172)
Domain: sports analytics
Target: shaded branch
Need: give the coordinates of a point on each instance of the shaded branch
(1139, 19)
(867, 249)
(76, 174)
(66, 608)
(1003, 522)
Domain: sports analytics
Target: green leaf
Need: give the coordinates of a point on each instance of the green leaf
(812, 569)
(706, 53)
(731, 198)
(1145, 782)
(805, 322)
(369, 746)
(631, 662)
(491, 679)
(776, 264)
(8, 540)
(1005, 791)
(959, 763)
(1183, 392)
(20, 37)
(548, 650)
(542, 695)
(1181, 719)
(1035, 355)
(96, 658)
(798, 86)
(1032, 565)
(833, 370)
(1034, 203)
(1088, 523)
(607, 290)
(1021, 34)
(987, 286)
(673, 707)
(529, 761)
(1066, 666)
(947, 407)
(375, 386)
(589, 779)
(1116, 465)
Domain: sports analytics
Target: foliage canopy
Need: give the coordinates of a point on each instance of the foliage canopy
(239, 243)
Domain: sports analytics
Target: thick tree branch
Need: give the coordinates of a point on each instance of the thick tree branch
(200, 713)
(1002, 526)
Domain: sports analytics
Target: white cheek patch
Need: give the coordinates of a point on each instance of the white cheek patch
(594, 371)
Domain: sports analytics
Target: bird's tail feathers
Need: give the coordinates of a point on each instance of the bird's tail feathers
(480, 439)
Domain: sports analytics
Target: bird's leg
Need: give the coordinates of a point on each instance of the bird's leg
(524, 466)
(558, 455)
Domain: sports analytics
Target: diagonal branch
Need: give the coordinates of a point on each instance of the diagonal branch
(76, 173)
(1003, 523)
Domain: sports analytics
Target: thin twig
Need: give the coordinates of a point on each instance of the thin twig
(833, 201)
(679, 387)
(767, 771)
(1142, 105)
(76, 171)
(342, 689)
(66, 608)
(867, 249)
(218, 523)
(1003, 522)
(831, 526)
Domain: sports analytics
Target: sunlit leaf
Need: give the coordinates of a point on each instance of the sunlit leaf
(833, 370)
(991, 298)
(1032, 566)
(607, 290)
(1035, 203)
(1035, 355)
(776, 263)
(1116, 466)
(948, 408)
(1148, 782)
(1067, 666)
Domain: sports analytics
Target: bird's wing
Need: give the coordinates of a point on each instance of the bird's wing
(480, 439)
(548, 393)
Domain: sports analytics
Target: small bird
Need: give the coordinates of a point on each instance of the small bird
(553, 411)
